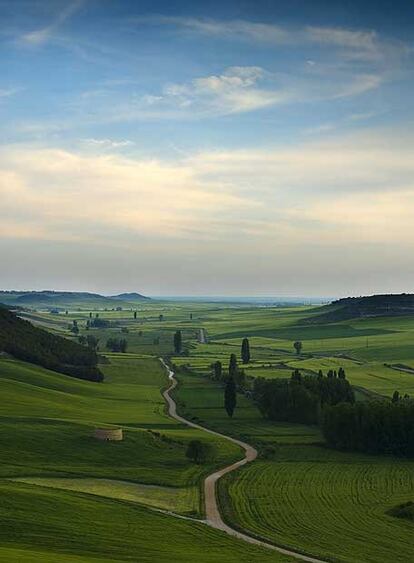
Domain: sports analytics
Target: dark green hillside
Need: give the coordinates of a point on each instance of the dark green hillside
(391, 305)
(27, 342)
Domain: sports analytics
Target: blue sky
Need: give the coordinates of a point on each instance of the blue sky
(207, 148)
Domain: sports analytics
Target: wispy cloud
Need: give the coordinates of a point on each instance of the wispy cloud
(353, 43)
(108, 143)
(42, 35)
(8, 92)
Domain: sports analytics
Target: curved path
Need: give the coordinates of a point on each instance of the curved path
(213, 516)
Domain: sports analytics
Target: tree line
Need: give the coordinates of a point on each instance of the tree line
(300, 398)
(377, 427)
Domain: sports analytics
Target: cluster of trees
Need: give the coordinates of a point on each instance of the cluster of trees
(117, 344)
(377, 427)
(98, 323)
(89, 340)
(300, 399)
(32, 344)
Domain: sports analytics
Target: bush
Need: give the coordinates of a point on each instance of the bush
(198, 452)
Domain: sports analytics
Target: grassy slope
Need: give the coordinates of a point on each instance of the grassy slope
(46, 421)
(39, 524)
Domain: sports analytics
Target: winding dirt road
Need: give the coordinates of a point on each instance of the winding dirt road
(213, 516)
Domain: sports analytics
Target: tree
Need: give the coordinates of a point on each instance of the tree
(161, 318)
(82, 340)
(198, 451)
(178, 342)
(75, 328)
(245, 351)
(395, 397)
(217, 371)
(233, 366)
(135, 314)
(123, 345)
(230, 399)
(298, 346)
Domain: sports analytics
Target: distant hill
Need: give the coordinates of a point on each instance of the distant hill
(66, 299)
(37, 346)
(130, 297)
(360, 307)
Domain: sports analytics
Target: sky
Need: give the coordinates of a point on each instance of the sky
(207, 148)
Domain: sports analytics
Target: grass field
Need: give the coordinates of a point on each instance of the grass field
(79, 499)
(297, 494)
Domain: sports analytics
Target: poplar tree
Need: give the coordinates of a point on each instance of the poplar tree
(178, 342)
(245, 351)
(230, 397)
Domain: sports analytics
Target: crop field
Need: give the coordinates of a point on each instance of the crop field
(327, 503)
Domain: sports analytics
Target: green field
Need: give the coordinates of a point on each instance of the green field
(298, 493)
(56, 510)
(326, 503)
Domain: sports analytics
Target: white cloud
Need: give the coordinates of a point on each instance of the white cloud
(108, 143)
(234, 91)
(41, 36)
(325, 193)
(68, 195)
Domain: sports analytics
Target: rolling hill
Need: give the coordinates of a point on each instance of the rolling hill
(68, 299)
(391, 305)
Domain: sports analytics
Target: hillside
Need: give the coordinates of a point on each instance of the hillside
(26, 342)
(67, 299)
(390, 305)
(130, 297)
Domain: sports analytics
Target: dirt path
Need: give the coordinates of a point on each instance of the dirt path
(213, 516)
(202, 338)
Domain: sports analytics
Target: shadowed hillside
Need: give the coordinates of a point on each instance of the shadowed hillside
(27, 342)
(391, 305)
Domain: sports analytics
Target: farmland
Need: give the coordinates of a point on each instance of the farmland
(298, 494)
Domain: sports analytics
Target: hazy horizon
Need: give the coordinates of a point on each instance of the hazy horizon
(224, 148)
